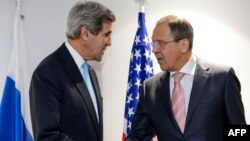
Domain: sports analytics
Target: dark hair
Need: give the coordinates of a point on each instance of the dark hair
(180, 28)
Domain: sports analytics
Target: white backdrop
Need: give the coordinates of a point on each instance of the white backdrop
(221, 28)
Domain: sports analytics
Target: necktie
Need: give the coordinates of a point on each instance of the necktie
(89, 86)
(178, 101)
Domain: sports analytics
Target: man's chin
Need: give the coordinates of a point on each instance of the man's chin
(99, 59)
(163, 68)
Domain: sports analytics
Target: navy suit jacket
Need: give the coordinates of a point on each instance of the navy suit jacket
(215, 101)
(61, 107)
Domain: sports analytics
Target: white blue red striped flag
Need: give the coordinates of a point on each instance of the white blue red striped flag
(15, 121)
(140, 68)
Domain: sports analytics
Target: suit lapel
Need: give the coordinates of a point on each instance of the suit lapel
(201, 77)
(97, 93)
(164, 90)
(74, 73)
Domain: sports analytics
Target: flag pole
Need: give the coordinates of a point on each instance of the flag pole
(142, 4)
(19, 9)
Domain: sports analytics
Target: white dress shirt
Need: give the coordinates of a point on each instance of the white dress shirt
(186, 81)
(79, 62)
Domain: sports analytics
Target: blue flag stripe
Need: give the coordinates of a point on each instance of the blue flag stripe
(11, 120)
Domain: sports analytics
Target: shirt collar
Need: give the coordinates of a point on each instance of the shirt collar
(75, 55)
(189, 67)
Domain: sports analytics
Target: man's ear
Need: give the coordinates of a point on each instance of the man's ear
(184, 45)
(84, 33)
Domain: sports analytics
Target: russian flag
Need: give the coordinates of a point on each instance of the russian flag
(15, 121)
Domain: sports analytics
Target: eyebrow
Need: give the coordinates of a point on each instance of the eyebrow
(108, 33)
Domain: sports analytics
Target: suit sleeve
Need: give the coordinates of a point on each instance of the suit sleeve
(233, 102)
(142, 129)
(44, 103)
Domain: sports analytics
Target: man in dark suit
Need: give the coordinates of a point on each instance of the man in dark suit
(63, 108)
(211, 92)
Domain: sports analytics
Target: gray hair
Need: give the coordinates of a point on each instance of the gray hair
(90, 14)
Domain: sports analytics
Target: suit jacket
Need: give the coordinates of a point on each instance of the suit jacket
(61, 107)
(215, 101)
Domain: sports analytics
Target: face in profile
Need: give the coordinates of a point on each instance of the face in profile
(101, 41)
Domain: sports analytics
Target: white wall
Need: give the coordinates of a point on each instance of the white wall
(221, 35)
